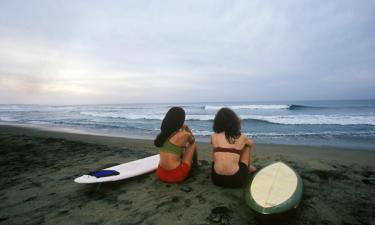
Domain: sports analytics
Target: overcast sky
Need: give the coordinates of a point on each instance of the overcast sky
(73, 52)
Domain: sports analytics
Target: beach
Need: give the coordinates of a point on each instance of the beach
(38, 168)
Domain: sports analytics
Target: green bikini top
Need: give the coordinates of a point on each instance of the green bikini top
(171, 148)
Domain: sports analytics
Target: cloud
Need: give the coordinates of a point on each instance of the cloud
(114, 52)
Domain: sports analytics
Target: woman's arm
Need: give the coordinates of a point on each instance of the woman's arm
(247, 141)
(191, 138)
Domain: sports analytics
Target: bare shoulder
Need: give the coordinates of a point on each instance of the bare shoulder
(185, 135)
(180, 138)
(246, 140)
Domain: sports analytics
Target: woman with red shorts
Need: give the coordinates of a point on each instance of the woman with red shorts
(177, 147)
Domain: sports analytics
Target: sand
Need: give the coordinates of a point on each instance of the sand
(38, 168)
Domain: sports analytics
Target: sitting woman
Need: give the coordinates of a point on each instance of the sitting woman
(231, 151)
(177, 147)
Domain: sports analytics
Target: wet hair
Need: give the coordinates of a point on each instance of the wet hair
(226, 120)
(172, 122)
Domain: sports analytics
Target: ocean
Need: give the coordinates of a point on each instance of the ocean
(348, 124)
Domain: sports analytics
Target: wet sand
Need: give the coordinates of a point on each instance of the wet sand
(38, 168)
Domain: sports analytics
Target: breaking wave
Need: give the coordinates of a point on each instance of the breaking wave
(259, 107)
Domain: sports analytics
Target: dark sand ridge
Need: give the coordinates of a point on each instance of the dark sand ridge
(38, 168)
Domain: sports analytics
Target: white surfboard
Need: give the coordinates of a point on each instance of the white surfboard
(126, 170)
(275, 189)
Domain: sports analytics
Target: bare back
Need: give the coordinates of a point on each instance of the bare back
(226, 163)
(169, 160)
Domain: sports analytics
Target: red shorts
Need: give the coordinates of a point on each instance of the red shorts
(173, 176)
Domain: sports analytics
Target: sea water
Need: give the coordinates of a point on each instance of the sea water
(349, 123)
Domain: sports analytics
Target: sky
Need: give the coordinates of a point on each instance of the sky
(105, 52)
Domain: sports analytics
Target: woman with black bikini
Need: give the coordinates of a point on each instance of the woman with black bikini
(231, 151)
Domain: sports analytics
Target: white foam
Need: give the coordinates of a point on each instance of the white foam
(316, 119)
(251, 107)
(37, 122)
(201, 132)
(142, 116)
(124, 115)
(278, 119)
(8, 119)
(200, 117)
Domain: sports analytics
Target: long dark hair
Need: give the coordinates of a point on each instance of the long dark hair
(172, 122)
(226, 120)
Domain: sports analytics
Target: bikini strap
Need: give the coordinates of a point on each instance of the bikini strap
(231, 150)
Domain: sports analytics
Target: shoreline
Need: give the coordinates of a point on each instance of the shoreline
(358, 146)
(71, 133)
(39, 168)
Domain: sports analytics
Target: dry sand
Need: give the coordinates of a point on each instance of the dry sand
(38, 168)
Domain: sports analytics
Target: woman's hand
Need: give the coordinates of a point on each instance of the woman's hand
(191, 138)
(186, 128)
